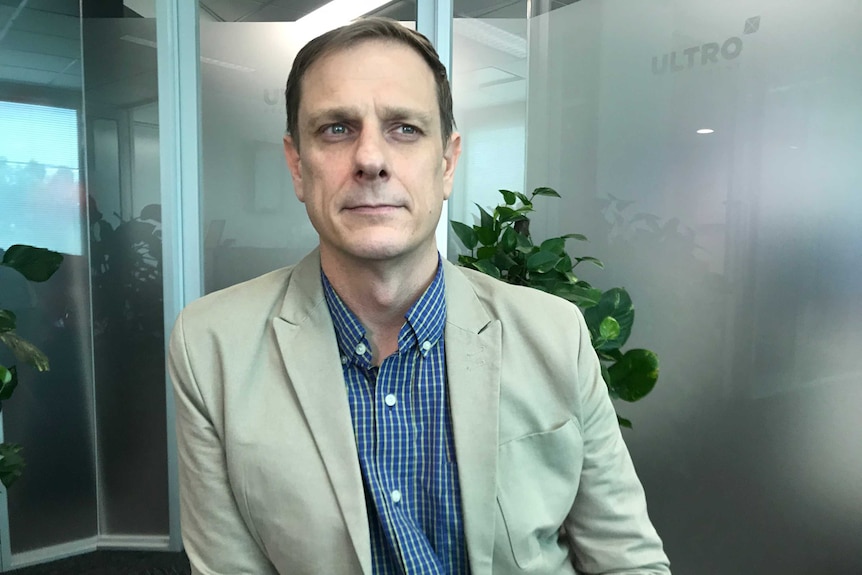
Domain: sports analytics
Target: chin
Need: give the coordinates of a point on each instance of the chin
(382, 250)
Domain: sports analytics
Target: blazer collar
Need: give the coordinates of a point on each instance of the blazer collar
(306, 339)
(473, 357)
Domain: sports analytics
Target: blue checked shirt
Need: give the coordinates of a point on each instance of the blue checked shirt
(403, 435)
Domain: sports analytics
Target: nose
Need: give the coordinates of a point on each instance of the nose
(370, 158)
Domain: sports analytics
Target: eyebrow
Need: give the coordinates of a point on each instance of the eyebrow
(389, 114)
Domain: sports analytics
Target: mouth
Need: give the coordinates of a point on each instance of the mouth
(372, 209)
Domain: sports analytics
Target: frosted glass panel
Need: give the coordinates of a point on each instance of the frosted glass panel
(252, 221)
(42, 203)
(489, 93)
(741, 248)
(126, 255)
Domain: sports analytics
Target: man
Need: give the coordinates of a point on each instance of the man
(375, 409)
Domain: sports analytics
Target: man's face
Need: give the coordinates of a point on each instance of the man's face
(372, 171)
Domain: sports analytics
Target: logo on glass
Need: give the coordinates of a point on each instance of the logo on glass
(704, 54)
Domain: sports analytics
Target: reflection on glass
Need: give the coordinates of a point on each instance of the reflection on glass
(42, 203)
(252, 221)
(489, 92)
(741, 249)
(124, 196)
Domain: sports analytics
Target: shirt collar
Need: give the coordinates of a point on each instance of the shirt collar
(423, 327)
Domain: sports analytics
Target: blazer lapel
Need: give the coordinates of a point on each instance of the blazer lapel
(473, 356)
(311, 358)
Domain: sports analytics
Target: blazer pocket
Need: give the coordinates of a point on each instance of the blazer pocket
(537, 482)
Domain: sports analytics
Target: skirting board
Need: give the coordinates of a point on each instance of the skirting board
(81, 546)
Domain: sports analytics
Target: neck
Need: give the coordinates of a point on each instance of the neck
(380, 292)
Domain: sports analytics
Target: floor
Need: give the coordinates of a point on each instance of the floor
(114, 563)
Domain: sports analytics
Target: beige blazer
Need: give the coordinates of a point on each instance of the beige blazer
(269, 472)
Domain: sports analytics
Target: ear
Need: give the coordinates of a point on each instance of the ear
(450, 160)
(291, 154)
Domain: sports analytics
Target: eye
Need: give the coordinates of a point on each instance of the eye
(335, 129)
(407, 132)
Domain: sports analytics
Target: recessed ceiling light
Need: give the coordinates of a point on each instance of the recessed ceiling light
(705, 131)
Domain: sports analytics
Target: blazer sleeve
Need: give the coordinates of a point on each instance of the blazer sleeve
(608, 526)
(215, 536)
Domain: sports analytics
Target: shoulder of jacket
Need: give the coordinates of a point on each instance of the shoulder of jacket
(261, 292)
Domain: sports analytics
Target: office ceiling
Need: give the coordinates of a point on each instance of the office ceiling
(40, 40)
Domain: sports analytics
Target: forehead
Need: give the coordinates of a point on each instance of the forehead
(368, 69)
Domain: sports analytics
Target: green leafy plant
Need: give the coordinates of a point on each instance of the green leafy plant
(37, 265)
(126, 270)
(501, 246)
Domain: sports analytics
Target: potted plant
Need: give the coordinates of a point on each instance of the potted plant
(501, 246)
(36, 265)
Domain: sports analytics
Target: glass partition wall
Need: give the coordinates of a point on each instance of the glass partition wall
(79, 154)
(251, 221)
(709, 152)
(42, 175)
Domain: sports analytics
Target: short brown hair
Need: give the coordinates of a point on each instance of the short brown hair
(360, 31)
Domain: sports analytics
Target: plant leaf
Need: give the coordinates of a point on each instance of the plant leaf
(554, 245)
(35, 264)
(525, 244)
(609, 328)
(509, 241)
(580, 237)
(524, 200)
(486, 253)
(564, 266)
(503, 261)
(487, 236)
(610, 355)
(8, 382)
(486, 220)
(488, 268)
(607, 377)
(25, 351)
(509, 197)
(542, 261)
(617, 304)
(583, 297)
(507, 214)
(546, 192)
(591, 259)
(7, 320)
(624, 422)
(635, 374)
(11, 463)
(466, 234)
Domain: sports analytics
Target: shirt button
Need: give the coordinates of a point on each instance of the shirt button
(344, 360)
(426, 345)
(390, 400)
(396, 496)
(360, 349)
